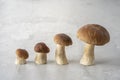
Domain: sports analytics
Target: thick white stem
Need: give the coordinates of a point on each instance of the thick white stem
(60, 55)
(88, 56)
(20, 61)
(41, 58)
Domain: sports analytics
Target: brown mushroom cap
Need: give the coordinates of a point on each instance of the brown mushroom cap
(41, 47)
(62, 39)
(22, 53)
(93, 34)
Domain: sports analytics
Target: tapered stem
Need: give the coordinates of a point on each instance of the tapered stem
(41, 58)
(20, 61)
(88, 56)
(60, 55)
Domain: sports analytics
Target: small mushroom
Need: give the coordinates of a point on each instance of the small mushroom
(41, 51)
(61, 40)
(92, 34)
(22, 55)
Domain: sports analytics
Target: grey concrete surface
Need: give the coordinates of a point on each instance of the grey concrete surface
(23, 23)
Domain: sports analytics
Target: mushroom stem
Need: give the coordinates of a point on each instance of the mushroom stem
(88, 56)
(60, 55)
(20, 61)
(41, 58)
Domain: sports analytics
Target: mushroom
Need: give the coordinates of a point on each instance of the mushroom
(61, 40)
(92, 34)
(22, 55)
(41, 51)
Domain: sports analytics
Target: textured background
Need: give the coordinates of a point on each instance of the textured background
(23, 23)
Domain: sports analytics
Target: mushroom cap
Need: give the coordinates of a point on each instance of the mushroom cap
(62, 39)
(93, 34)
(22, 53)
(41, 48)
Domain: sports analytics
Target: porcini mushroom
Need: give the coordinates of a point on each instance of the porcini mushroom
(61, 40)
(41, 51)
(22, 55)
(92, 34)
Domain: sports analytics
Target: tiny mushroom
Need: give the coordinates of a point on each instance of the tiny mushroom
(92, 34)
(61, 40)
(22, 55)
(41, 51)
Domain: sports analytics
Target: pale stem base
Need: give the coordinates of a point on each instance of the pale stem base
(60, 55)
(88, 56)
(20, 61)
(41, 58)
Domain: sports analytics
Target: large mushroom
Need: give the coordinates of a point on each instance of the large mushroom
(41, 50)
(61, 40)
(92, 34)
(22, 55)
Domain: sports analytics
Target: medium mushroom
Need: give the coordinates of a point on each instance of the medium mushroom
(61, 40)
(41, 51)
(22, 55)
(92, 34)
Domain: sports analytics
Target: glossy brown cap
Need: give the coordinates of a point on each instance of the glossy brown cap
(22, 53)
(41, 47)
(93, 34)
(62, 39)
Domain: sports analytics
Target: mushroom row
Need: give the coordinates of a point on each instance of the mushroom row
(91, 34)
